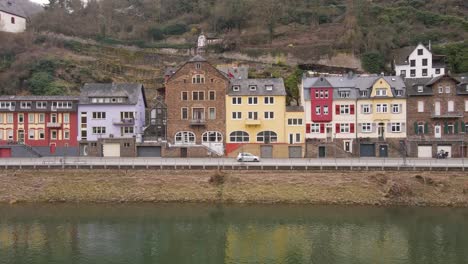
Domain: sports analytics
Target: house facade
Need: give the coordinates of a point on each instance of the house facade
(12, 17)
(196, 118)
(419, 62)
(38, 126)
(111, 119)
(259, 122)
(437, 116)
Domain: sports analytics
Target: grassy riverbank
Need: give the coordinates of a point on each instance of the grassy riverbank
(364, 188)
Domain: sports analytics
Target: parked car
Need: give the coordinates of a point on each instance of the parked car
(244, 156)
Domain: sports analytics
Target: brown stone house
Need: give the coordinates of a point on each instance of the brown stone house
(196, 119)
(437, 116)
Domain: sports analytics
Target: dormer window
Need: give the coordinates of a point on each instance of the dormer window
(236, 88)
(420, 88)
(381, 92)
(399, 92)
(363, 93)
(25, 105)
(253, 87)
(269, 87)
(344, 94)
(420, 52)
(198, 66)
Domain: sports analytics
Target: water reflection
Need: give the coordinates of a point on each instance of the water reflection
(211, 234)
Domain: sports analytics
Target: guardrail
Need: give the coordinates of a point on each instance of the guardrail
(225, 164)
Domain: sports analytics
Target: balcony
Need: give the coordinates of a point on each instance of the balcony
(54, 125)
(253, 122)
(198, 122)
(124, 121)
(447, 115)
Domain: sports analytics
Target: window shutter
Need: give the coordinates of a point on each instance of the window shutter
(416, 130)
(463, 128)
(337, 109)
(351, 128)
(426, 128)
(361, 109)
(307, 128)
(403, 127)
(389, 128)
(456, 128)
(351, 109)
(446, 128)
(374, 127)
(337, 128)
(400, 108)
(370, 108)
(322, 128)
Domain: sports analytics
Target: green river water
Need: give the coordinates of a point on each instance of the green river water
(193, 233)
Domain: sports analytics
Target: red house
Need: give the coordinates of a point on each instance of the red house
(37, 126)
(321, 107)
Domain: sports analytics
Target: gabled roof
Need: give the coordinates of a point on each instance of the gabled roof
(38, 98)
(131, 91)
(436, 79)
(197, 58)
(401, 55)
(9, 6)
(244, 87)
(321, 82)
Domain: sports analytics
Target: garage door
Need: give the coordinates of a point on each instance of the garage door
(295, 152)
(367, 150)
(266, 151)
(149, 152)
(445, 148)
(111, 150)
(424, 151)
(5, 153)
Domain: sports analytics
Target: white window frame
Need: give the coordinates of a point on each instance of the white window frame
(31, 118)
(269, 100)
(345, 128)
(210, 116)
(236, 100)
(185, 138)
(381, 92)
(450, 106)
(366, 109)
(366, 127)
(345, 109)
(31, 134)
(396, 109)
(99, 130)
(318, 110)
(66, 134)
(420, 106)
(208, 136)
(382, 108)
(315, 128)
(325, 110)
(420, 88)
(253, 100)
(396, 127)
(236, 115)
(270, 115)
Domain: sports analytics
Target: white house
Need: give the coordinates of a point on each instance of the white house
(419, 62)
(12, 17)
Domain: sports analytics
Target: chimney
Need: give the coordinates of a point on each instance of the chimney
(430, 46)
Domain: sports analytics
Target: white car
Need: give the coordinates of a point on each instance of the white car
(244, 156)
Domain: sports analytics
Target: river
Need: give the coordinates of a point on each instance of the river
(194, 233)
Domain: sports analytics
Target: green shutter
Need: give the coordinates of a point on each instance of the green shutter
(463, 129)
(426, 128)
(456, 128)
(446, 128)
(416, 128)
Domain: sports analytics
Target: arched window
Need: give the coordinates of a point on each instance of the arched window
(239, 136)
(212, 136)
(267, 137)
(198, 78)
(185, 137)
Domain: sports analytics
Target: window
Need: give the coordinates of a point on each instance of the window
(466, 107)
(347, 146)
(381, 92)
(420, 88)
(420, 128)
(212, 113)
(212, 136)
(403, 73)
(253, 100)
(41, 118)
(447, 89)
(326, 93)
(396, 108)
(317, 109)
(62, 105)
(267, 137)
(21, 118)
(253, 87)
(317, 93)
(269, 87)
(10, 134)
(31, 134)
(198, 66)
(325, 110)
(321, 94)
(437, 71)
(1, 121)
(13, 20)
(239, 136)
(269, 100)
(382, 108)
(236, 115)
(198, 114)
(30, 119)
(66, 134)
(99, 130)
(420, 52)
(366, 127)
(344, 109)
(184, 96)
(99, 115)
(127, 130)
(363, 93)
(9, 118)
(399, 92)
(413, 63)
(395, 127)
(237, 100)
(413, 73)
(450, 106)
(344, 128)
(212, 95)
(25, 105)
(315, 128)
(450, 129)
(424, 62)
(295, 122)
(344, 94)
(198, 96)
(53, 118)
(420, 106)
(269, 115)
(198, 78)
(185, 137)
(366, 109)
(253, 115)
(424, 72)
(441, 89)
(126, 145)
(298, 138)
(66, 118)
(53, 134)
(236, 88)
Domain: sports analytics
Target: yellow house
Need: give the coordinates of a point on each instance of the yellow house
(381, 115)
(257, 120)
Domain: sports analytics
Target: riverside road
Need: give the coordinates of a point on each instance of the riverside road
(230, 163)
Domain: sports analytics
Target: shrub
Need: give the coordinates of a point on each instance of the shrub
(155, 33)
(373, 62)
(175, 29)
(218, 178)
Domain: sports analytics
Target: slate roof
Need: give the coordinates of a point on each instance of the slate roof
(278, 87)
(38, 98)
(413, 83)
(131, 91)
(401, 55)
(197, 58)
(9, 6)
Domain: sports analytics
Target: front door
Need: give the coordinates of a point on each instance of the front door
(21, 136)
(437, 108)
(383, 151)
(291, 138)
(322, 152)
(183, 152)
(437, 131)
(52, 148)
(381, 130)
